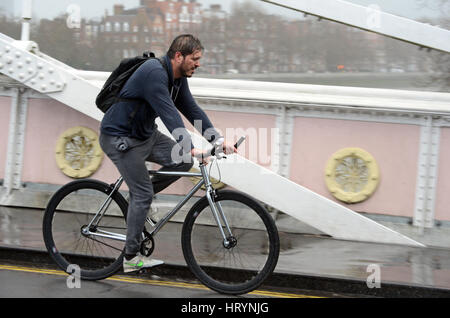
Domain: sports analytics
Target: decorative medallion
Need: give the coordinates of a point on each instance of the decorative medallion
(78, 153)
(352, 175)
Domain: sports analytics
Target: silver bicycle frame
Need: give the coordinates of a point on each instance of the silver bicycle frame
(217, 211)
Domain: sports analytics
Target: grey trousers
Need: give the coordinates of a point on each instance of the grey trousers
(129, 156)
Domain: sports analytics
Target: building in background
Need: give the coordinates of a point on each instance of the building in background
(244, 40)
(150, 26)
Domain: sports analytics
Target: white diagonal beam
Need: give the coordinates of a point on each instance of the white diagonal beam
(371, 19)
(48, 76)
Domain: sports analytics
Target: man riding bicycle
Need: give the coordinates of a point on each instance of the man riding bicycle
(129, 135)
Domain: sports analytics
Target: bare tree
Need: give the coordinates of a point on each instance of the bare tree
(59, 41)
(9, 26)
(440, 61)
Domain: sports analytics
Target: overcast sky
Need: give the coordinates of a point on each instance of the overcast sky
(96, 8)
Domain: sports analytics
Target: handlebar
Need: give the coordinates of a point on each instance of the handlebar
(218, 145)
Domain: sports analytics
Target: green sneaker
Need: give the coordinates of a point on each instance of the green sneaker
(139, 262)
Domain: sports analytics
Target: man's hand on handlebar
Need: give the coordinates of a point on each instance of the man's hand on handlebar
(204, 156)
(229, 148)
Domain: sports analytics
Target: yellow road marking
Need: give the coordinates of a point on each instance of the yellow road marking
(135, 280)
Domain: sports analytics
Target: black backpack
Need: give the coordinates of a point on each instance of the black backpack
(110, 91)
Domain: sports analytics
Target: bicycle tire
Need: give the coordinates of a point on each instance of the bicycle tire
(62, 235)
(203, 253)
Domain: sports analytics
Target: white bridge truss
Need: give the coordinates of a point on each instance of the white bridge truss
(374, 20)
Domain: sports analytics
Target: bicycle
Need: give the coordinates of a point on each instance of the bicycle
(229, 240)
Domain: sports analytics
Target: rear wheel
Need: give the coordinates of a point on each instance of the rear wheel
(250, 254)
(65, 229)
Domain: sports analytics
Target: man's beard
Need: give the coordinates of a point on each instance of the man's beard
(185, 71)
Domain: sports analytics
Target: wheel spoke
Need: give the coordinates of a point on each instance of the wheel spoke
(69, 211)
(253, 251)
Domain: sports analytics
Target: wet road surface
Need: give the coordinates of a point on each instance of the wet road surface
(34, 282)
(311, 262)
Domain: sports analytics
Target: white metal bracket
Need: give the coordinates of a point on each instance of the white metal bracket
(16, 140)
(427, 176)
(18, 61)
(21, 61)
(285, 127)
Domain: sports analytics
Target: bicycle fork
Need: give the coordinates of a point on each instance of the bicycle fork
(217, 211)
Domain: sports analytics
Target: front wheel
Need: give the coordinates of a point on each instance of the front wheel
(250, 253)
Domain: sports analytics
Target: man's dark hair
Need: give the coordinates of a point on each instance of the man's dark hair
(185, 44)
